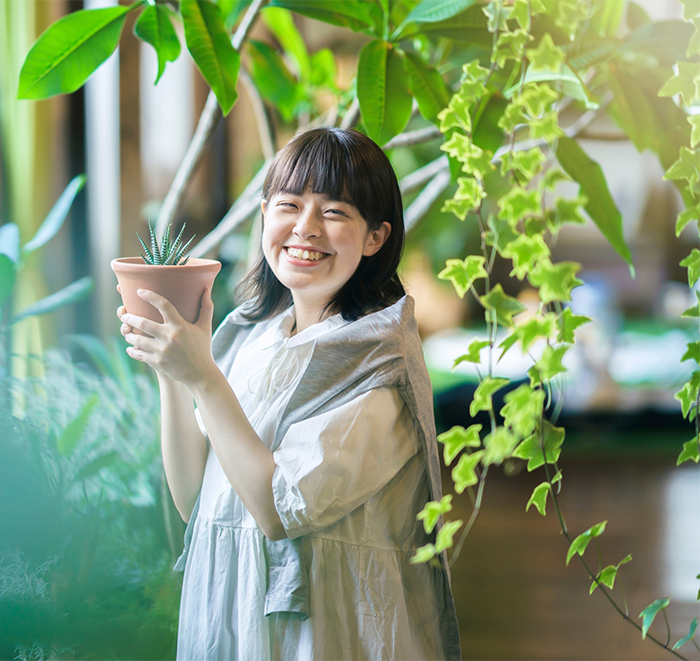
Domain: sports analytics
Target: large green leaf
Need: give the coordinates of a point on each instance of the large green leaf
(54, 220)
(8, 275)
(211, 49)
(66, 296)
(232, 10)
(468, 26)
(9, 241)
(154, 27)
(354, 15)
(428, 87)
(632, 111)
(272, 78)
(606, 17)
(281, 24)
(382, 91)
(600, 206)
(431, 11)
(70, 50)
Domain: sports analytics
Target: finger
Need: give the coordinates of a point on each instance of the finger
(119, 289)
(149, 327)
(124, 329)
(206, 310)
(162, 304)
(141, 342)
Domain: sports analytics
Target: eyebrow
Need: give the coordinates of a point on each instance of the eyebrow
(327, 197)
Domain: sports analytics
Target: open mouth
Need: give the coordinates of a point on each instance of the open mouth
(305, 255)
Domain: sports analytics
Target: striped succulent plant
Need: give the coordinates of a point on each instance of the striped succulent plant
(165, 254)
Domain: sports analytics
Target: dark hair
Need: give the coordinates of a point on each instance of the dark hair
(337, 163)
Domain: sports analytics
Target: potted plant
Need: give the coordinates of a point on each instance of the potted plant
(165, 270)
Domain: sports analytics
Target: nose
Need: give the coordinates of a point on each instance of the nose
(308, 224)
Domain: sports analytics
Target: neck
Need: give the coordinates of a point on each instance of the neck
(307, 314)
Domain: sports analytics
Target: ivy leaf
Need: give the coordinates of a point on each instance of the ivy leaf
(154, 27)
(568, 323)
(552, 177)
(432, 512)
(510, 46)
(694, 121)
(694, 311)
(686, 216)
(523, 409)
(503, 305)
(688, 393)
(528, 162)
(531, 448)
(692, 352)
(499, 445)
(451, 118)
(545, 326)
(570, 14)
(690, 452)
(686, 167)
(539, 498)
(549, 364)
(463, 273)
(608, 575)
(522, 8)
(474, 351)
(691, 633)
(445, 536)
(555, 281)
(691, 8)
(566, 211)
(525, 252)
(692, 263)
(512, 117)
(476, 161)
(518, 203)
(470, 190)
(423, 554)
(685, 83)
(463, 474)
(546, 55)
(497, 16)
(650, 612)
(580, 544)
(483, 393)
(546, 128)
(460, 208)
(535, 98)
(458, 438)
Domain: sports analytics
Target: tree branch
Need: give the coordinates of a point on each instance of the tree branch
(418, 177)
(352, 115)
(203, 133)
(413, 137)
(419, 207)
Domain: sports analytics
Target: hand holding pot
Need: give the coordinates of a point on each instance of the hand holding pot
(175, 348)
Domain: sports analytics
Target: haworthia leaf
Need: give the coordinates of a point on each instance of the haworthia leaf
(428, 87)
(54, 220)
(75, 429)
(154, 27)
(650, 612)
(70, 50)
(601, 206)
(382, 91)
(210, 46)
(70, 294)
(8, 275)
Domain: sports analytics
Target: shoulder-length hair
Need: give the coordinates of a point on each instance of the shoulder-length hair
(337, 163)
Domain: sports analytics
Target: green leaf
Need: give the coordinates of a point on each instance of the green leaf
(8, 275)
(692, 263)
(692, 352)
(272, 78)
(650, 612)
(549, 364)
(354, 15)
(691, 8)
(608, 575)
(468, 26)
(580, 544)
(432, 11)
(600, 207)
(531, 448)
(689, 637)
(528, 163)
(458, 438)
(210, 46)
(54, 220)
(423, 554)
(463, 273)
(232, 10)
(519, 203)
(687, 395)
(499, 445)
(473, 355)
(686, 216)
(686, 83)
(539, 498)
(566, 211)
(475, 160)
(510, 46)
(154, 27)
(690, 452)
(568, 323)
(323, 69)
(555, 281)
(686, 167)
(445, 536)
(606, 18)
(432, 512)
(66, 296)
(523, 409)
(483, 393)
(505, 307)
(96, 465)
(522, 8)
(525, 252)
(463, 474)
(382, 91)
(546, 55)
(281, 24)
(75, 429)
(70, 50)
(427, 86)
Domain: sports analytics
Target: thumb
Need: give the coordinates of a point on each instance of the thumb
(206, 310)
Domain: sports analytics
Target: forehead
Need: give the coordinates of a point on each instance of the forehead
(309, 193)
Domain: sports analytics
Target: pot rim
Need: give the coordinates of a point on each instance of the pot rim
(137, 264)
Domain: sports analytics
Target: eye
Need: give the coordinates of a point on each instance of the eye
(336, 212)
(290, 205)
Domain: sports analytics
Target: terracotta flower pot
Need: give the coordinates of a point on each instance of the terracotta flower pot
(183, 286)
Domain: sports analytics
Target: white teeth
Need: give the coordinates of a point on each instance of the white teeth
(305, 254)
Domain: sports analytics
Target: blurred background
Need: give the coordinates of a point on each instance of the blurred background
(88, 534)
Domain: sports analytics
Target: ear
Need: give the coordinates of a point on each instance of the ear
(263, 206)
(376, 239)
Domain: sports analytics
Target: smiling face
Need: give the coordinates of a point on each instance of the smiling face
(314, 244)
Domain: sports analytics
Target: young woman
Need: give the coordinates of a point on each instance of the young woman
(312, 446)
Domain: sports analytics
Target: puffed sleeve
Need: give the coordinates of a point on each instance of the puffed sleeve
(330, 464)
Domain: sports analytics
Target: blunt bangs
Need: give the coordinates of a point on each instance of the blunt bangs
(343, 165)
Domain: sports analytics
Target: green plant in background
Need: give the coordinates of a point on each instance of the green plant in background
(490, 80)
(165, 254)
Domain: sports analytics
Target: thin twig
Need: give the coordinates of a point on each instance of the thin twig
(414, 137)
(418, 177)
(419, 207)
(352, 115)
(203, 134)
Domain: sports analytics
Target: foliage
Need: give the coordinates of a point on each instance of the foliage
(165, 254)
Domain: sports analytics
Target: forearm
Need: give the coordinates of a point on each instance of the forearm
(183, 445)
(244, 458)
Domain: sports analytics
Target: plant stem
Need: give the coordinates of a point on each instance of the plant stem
(472, 518)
